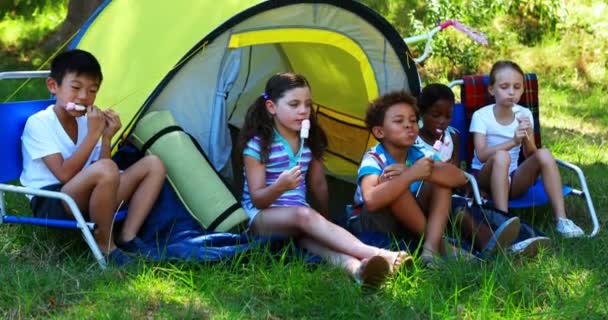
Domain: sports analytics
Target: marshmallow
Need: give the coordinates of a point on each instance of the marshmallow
(71, 106)
(437, 145)
(304, 129)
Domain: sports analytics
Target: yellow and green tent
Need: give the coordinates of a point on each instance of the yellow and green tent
(206, 61)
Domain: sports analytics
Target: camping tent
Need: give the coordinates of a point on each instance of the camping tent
(206, 61)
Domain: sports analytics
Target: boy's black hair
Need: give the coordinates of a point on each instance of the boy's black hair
(78, 61)
(503, 64)
(433, 93)
(259, 122)
(376, 109)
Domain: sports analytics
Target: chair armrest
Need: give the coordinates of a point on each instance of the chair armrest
(51, 194)
(471, 179)
(585, 192)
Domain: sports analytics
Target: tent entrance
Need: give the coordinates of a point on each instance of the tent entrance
(341, 77)
(314, 37)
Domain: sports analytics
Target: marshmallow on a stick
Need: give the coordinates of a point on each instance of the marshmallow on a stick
(71, 106)
(305, 128)
(438, 143)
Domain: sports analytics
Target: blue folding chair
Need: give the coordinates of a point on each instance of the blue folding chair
(13, 116)
(474, 95)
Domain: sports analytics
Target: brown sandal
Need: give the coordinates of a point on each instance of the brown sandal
(373, 272)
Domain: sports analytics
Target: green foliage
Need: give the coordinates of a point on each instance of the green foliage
(534, 19)
(505, 21)
(25, 23)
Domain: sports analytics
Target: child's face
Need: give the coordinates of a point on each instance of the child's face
(80, 89)
(508, 87)
(400, 126)
(438, 116)
(291, 109)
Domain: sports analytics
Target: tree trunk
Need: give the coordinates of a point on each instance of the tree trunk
(78, 12)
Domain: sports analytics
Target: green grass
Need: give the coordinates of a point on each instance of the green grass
(50, 274)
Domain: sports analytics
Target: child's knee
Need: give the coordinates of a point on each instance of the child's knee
(501, 159)
(545, 156)
(105, 170)
(306, 216)
(154, 164)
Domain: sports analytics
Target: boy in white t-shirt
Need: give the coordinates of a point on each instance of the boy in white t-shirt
(67, 147)
(499, 132)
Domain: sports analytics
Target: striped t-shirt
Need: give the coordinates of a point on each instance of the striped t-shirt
(281, 158)
(376, 159)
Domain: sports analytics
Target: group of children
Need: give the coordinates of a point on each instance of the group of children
(404, 183)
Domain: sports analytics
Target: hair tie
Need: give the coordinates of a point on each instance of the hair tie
(265, 96)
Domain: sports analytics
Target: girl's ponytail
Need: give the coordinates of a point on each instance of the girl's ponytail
(258, 122)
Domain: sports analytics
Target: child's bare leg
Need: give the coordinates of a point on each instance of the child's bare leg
(407, 211)
(94, 189)
(304, 221)
(438, 201)
(140, 184)
(494, 176)
(477, 233)
(350, 264)
(543, 162)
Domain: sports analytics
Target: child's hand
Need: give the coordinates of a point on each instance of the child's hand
(290, 179)
(112, 121)
(391, 171)
(521, 132)
(524, 124)
(95, 121)
(422, 168)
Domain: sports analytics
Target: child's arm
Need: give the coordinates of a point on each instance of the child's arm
(112, 125)
(378, 195)
(447, 175)
(66, 169)
(263, 196)
(318, 187)
(456, 153)
(484, 152)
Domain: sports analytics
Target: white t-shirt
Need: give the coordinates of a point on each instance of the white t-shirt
(447, 147)
(43, 135)
(485, 123)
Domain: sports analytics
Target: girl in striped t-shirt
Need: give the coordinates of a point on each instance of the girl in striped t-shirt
(278, 165)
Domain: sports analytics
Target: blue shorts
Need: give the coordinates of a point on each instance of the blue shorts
(52, 208)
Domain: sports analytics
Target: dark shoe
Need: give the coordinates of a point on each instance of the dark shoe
(118, 258)
(135, 246)
(502, 237)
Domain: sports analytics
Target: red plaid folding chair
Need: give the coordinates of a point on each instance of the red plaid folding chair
(474, 95)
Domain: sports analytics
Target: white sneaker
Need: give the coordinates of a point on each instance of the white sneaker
(529, 247)
(568, 229)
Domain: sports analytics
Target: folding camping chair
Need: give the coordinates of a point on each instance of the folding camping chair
(474, 95)
(13, 116)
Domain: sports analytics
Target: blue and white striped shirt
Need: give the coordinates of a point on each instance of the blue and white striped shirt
(376, 159)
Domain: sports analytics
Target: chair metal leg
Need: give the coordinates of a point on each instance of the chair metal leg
(475, 186)
(2, 207)
(82, 224)
(585, 192)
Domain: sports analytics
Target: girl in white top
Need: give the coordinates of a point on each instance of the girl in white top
(499, 131)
